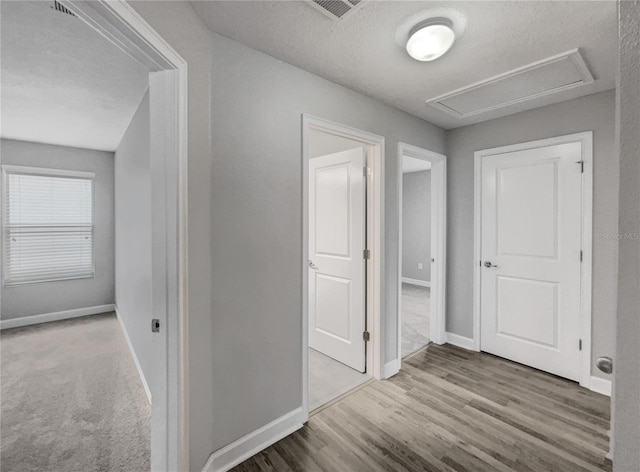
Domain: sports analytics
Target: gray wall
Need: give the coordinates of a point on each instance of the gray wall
(257, 103)
(416, 225)
(626, 388)
(179, 25)
(133, 235)
(49, 297)
(594, 112)
(321, 144)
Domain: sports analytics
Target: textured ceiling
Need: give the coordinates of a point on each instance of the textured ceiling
(63, 83)
(365, 50)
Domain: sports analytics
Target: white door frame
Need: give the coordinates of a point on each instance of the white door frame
(586, 140)
(439, 216)
(375, 224)
(124, 27)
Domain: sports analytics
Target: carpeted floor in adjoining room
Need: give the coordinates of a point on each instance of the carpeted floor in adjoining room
(415, 318)
(72, 399)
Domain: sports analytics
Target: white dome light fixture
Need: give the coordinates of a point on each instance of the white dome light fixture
(430, 39)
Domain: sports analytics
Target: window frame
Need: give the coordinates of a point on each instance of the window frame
(46, 172)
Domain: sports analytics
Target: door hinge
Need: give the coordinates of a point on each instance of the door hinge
(365, 172)
(581, 166)
(580, 344)
(581, 255)
(366, 336)
(366, 254)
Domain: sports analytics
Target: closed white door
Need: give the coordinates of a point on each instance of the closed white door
(336, 262)
(531, 243)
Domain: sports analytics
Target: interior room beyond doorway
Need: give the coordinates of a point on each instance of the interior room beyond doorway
(416, 253)
(337, 269)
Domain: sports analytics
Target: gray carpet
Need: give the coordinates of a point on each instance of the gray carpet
(415, 318)
(72, 399)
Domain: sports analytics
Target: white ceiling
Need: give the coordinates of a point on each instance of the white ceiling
(63, 83)
(412, 164)
(365, 50)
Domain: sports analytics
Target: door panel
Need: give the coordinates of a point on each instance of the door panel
(527, 205)
(531, 235)
(536, 303)
(332, 225)
(336, 264)
(333, 306)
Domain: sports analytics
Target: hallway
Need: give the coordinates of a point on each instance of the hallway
(452, 410)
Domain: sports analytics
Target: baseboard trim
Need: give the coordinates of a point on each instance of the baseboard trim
(599, 385)
(238, 451)
(143, 379)
(460, 341)
(421, 283)
(391, 368)
(56, 316)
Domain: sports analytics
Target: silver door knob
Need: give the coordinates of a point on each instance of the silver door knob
(605, 364)
(312, 265)
(489, 265)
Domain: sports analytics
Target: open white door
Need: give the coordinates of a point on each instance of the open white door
(531, 256)
(336, 261)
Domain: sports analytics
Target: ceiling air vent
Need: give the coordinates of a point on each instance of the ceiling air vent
(549, 76)
(334, 9)
(62, 9)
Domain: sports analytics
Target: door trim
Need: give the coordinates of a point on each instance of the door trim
(586, 139)
(439, 190)
(375, 224)
(120, 24)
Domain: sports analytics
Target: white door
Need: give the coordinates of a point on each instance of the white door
(336, 262)
(531, 242)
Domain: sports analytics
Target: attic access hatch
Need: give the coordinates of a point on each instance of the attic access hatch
(334, 9)
(538, 79)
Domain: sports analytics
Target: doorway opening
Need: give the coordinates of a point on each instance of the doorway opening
(65, 237)
(342, 182)
(119, 23)
(421, 244)
(416, 253)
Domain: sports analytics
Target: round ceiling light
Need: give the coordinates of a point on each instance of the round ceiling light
(430, 39)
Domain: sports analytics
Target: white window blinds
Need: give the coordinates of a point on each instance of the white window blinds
(48, 225)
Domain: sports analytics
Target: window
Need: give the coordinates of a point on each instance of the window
(48, 225)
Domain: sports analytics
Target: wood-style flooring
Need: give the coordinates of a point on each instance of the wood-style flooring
(452, 410)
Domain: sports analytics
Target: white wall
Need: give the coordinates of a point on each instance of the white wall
(416, 225)
(594, 112)
(257, 103)
(133, 236)
(626, 388)
(49, 297)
